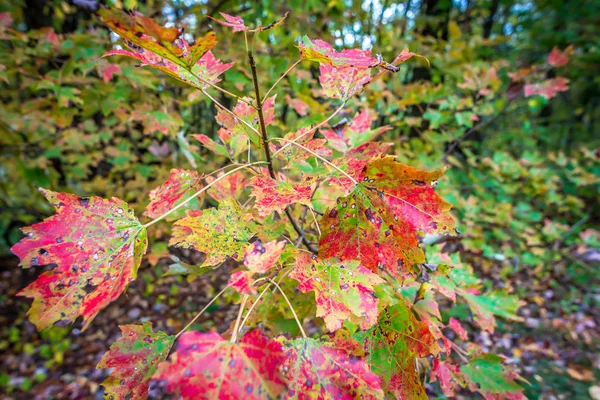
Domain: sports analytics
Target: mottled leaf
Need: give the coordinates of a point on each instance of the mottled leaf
(245, 111)
(237, 23)
(206, 366)
(342, 82)
(97, 246)
(378, 223)
(324, 53)
(133, 359)
(458, 329)
(230, 146)
(448, 375)
(332, 367)
(180, 186)
(261, 258)
(342, 290)
(220, 233)
(241, 282)
(392, 346)
(487, 375)
(232, 185)
(275, 195)
(354, 162)
(305, 137)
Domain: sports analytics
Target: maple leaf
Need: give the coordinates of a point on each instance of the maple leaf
(242, 282)
(244, 110)
(232, 185)
(354, 162)
(342, 290)
(548, 88)
(220, 233)
(332, 367)
(393, 344)
(298, 105)
(231, 147)
(275, 195)
(209, 367)
(342, 82)
(458, 329)
(261, 258)
(558, 58)
(487, 375)
(449, 376)
(356, 133)
(237, 23)
(97, 245)
(180, 185)
(324, 53)
(134, 358)
(303, 136)
(378, 222)
(496, 303)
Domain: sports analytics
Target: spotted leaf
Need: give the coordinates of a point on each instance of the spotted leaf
(275, 195)
(342, 290)
(97, 246)
(220, 233)
(449, 376)
(332, 367)
(246, 112)
(206, 366)
(392, 346)
(133, 359)
(324, 53)
(180, 186)
(358, 132)
(342, 82)
(378, 223)
(261, 258)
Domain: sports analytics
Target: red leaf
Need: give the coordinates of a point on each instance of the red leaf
(97, 245)
(378, 223)
(245, 111)
(275, 195)
(332, 367)
(548, 88)
(298, 105)
(237, 23)
(180, 186)
(134, 358)
(354, 163)
(261, 258)
(231, 186)
(342, 291)
(305, 139)
(108, 71)
(342, 82)
(354, 134)
(449, 376)
(458, 329)
(241, 281)
(324, 53)
(206, 366)
(558, 58)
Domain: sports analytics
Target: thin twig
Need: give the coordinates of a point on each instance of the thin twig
(239, 318)
(291, 307)
(280, 78)
(201, 312)
(252, 306)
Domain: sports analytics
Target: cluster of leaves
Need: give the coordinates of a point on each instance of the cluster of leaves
(374, 291)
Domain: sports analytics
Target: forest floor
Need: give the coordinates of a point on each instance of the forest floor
(557, 351)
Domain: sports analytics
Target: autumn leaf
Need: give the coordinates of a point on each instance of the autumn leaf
(133, 359)
(243, 110)
(486, 306)
(324, 53)
(487, 375)
(458, 329)
(448, 375)
(342, 290)
(305, 137)
(342, 82)
(356, 133)
(233, 185)
(231, 146)
(275, 195)
(558, 58)
(206, 366)
(332, 367)
(241, 282)
(180, 185)
(378, 223)
(353, 164)
(548, 88)
(392, 346)
(220, 233)
(97, 246)
(261, 258)
(237, 23)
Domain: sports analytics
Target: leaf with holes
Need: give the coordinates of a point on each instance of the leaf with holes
(332, 367)
(378, 223)
(275, 195)
(207, 366)
(97, 246)
(392, 347)
(487, 375)
(448, 375)
(220, 233)
(180, 186)
(342, 290)
(133, 359)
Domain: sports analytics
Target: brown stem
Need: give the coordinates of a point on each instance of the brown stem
(265, 141)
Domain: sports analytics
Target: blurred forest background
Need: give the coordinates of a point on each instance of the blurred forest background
(524, 176)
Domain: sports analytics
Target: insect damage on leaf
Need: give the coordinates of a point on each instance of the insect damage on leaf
(220, 233)
(133, 359)
(180, 186)
(379, 222)
(332, 367)
(97, 246)
(206, 366)
(343, 290)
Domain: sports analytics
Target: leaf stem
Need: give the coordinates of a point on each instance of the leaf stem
(317, 156)
(291, 307)
(239, 318)
(281, 77)
(199, 192)
(200, 313)
(252, 306)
